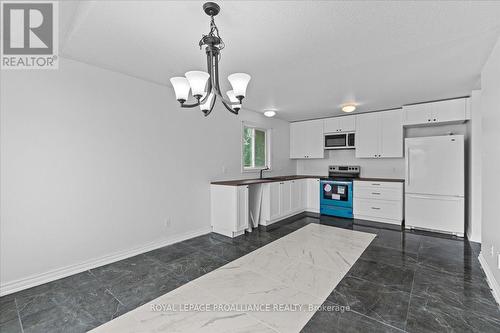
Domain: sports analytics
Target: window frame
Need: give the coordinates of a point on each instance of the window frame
(268, 133)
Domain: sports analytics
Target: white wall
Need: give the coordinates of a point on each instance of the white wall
(490, 111)
(474, 184)
(94, 163)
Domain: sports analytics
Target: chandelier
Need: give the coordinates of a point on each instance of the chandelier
(204, 86)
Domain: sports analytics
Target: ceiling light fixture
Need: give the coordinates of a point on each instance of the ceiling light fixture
(197, 81)
(349, 107)
(269, 113)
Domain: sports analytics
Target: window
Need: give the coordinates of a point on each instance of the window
(255, 152)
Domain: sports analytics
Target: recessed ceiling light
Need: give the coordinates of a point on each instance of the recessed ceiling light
(348, 107)
(269, 113)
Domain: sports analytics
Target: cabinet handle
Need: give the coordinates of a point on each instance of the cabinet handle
(376, 208)
(434, 119)
(376, 193)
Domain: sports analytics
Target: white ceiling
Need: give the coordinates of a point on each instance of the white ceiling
(306, 58)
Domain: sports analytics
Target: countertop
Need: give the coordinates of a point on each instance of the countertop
(242, 182)
(391, 180)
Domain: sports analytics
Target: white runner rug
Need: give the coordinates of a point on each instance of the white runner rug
(276, 288)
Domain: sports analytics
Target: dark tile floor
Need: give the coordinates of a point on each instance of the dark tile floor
(404, 281)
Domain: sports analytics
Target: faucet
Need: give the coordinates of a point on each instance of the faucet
(266, 168)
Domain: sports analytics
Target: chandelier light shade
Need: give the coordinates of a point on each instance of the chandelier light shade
(198, 81)
(181, 88)
(206, 106)
(232, 98)
(204, 86)
(239, 82)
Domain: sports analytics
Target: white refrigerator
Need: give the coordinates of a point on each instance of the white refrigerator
(434, 184)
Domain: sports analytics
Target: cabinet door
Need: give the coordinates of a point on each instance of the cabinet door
(347, 124)
(331, 125)
(391, 135)
(367, 135)
(297, 140)
(448, 111)
(313, 139)
(243, 211)
(285, 198)
(274, 200)
(313, 195)
(296, 194)
(417, 114)
(303, 194)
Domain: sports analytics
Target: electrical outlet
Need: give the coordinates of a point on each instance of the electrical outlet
(492, 251)
(498, 261)
(168, 222)
(224, 169)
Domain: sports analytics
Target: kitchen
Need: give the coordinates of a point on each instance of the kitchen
(351, 191)
(250, 166)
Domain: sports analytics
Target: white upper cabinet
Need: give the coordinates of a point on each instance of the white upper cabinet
(391, 134)
(450, 111)
(367, 135)
(340, 124)
(379, 135)
(297, 138)
(306, 139)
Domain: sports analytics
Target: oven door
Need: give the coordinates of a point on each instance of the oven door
(336, 141)
(336, 193)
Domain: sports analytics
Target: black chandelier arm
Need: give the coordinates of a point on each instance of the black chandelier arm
(215, 78)
(183, 105)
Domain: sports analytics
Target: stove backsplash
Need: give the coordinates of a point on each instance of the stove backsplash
(388, 168)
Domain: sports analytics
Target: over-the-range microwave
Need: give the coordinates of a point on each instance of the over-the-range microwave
(339, 141)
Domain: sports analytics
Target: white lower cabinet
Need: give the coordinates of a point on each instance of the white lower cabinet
(283, 199)
(272, 197)
(229, 212)
(312, 195)
(233, 207)
(297, 190)
(378, 201)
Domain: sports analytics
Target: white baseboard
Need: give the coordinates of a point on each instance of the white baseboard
(494, 285)
(58, 273)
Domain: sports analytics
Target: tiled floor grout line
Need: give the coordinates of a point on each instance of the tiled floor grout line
(381, 322)
(409, 299)
(18, 315)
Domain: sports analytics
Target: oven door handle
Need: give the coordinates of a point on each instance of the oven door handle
(341, 182)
